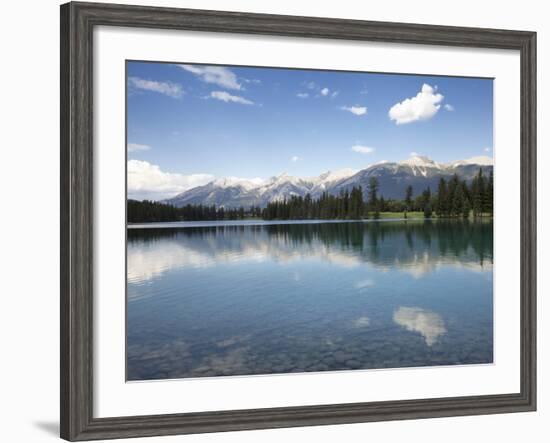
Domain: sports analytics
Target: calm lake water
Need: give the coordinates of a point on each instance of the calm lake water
(227, 299)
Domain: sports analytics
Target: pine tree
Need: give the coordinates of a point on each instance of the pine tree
(426, 202)
(466, 208)
(478, 189)
(408, 198)
(382, 204)
(355, 203)
(442, 198)
(454, 198)
(457, 202)
(488, 195)
(373, 196)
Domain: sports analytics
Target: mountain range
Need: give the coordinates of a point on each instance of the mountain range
(418, 171)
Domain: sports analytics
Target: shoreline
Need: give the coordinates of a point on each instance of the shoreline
(259, 222)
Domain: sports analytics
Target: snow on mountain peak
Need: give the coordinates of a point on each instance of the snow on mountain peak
(278, 178)
(246, 183)
(419, 165)
(482, 160)
(419, 170)
(330, 176)
(420, 160)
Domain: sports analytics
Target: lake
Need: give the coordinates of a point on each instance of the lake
(224, 298)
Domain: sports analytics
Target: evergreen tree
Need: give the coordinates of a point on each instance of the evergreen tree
(478, 190)
(427, 202)
(408, 197)
(442, 198)
(454, 198)
(373, 196)
(382, 204)
(488, 195)
(457, 202)
(466, 207)
(428, 210)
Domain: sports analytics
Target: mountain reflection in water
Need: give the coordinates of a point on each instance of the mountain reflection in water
(234, 300)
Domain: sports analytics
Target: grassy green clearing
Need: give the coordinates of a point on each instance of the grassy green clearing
(420, 215)
(411, 214)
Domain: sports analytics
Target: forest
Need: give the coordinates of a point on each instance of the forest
(453, 198)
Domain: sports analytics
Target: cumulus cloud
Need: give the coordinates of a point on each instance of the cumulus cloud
(355, 110)
(423, 106)
(487, 149)
(148, 181)
(302, 95)
(325, 91)
(362, 149)
(228, 98)
(414, 154)
(167, 88)
(217, 75)
(294, 158)
(449, 107)
(134, 147)
(334, 94)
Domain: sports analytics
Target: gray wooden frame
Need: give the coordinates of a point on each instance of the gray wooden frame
(77, 23)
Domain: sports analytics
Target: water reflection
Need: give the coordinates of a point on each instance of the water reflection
(361, 322)
(235, 300)
(415, 247)
(429, 324)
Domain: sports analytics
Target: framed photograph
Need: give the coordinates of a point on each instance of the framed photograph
(273, 221)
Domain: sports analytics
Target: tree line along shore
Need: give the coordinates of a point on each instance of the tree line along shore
(454, 198)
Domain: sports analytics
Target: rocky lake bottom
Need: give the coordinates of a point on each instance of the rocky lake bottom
(287, 298)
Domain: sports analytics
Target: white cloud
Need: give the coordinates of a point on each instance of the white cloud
(414, 154)
(294, 158)
(362, 149)
(217, 75)
(487, 149)
(146, 180)
(227, 97)
(302, 95)
(320, 91)
(356, 110)
(449, 107)
(167, 88)
(134, 147)
(254, 81)
(421, 107)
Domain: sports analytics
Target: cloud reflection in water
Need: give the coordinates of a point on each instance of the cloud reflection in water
(429, 324)
(382, 246)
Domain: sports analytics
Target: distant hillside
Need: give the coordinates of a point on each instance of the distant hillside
(393, 177)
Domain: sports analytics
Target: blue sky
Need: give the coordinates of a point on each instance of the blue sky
(200, 121)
